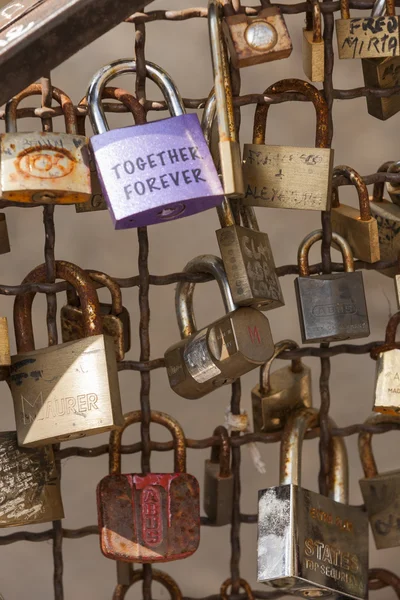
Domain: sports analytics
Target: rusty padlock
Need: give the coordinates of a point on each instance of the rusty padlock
(218, 481)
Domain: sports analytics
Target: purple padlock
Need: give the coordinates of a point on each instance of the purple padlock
(155, 172)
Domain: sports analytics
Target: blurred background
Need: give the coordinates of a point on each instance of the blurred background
(90, 241)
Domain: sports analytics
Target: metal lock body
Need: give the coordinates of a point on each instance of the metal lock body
(380, 491)
(229, 147)
(4, 240)
(218, 481)
(387, 377)
(115, 317)
(255, 40)
(5, 357)
(153, 517)
(287, 176)
(311, 545)
(358, 227)
(331, 307)
(69, 390)
(222, 352)
(44, 167)
(280, 392)
(367, 37)
(155, 172)
(313, 44)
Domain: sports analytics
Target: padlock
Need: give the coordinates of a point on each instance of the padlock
(358, 227)
(367, 37)
(97, 201)
(5, 357)
(387, 374)
(280, 392)
(380, 491)
(331, 306)
(4, 240)
(287, 176)
(153, 517)
(115, 317)
(142, 169)
(69, 390)
(222, 352)
(44, 167)
(313, 44)
(311, 545)
(229, 147)
(255, 40)
(29, 484)
(160, 577)
(218, 481)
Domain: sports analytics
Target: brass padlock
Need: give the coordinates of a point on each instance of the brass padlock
(222, 352)
(311, 545)
(44, 167)
(259, 39)
(287, 176)
(115, 317)
(218, 481)
(380, 491)
(358, 227)
(332, 306)
(367, 37)
(313, 44)
(70, 390)
(29, 484)
(4, 240)
(229, 147)
(387, 374)
(280, 392)
(5, 356)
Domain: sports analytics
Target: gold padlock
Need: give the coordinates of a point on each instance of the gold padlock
(5, 357)
(313, 44)
(358, 227)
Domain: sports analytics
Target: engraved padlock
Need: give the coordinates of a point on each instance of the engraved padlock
(153, 517)
(69, 390)
(280, 392)
(218, 481)
(115, 317)
(358, 227)
(311, 545)
(313, 43)
(331, 306)
(44, 167)
(222, 352)
(367, 37)
(288, 176)
(387, 374)
(380, 491)
(259, 39)
(4, 239)
(155, 172)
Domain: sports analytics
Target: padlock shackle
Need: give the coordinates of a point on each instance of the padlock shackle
(315, 236)
(106, 281)
(345, 9)
(155, 417)
(362, 191)
(222, 454)
(123, 66)
(293, 434)
(386, 577)
(10, 115)
(314, 21)
(206, 263)
(265, 370)
(365, 443)
(390, 337)
(92, 322)
(160, 576)
(378, 189)
(300, 87)
(243, 584)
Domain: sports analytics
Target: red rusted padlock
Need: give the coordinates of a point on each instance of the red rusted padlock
(149, 518)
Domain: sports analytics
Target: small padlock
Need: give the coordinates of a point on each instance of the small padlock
(380, 491)
(331, 306)
(287, 176)
(255, 40)
(387, 374)
(280, 392)
(115, 317)
(69, 390)
(160, 577)
(358, 227)
(5, 357)
(4, 240)
(218, 481)
(367, 37)
(153, 517)
(313, 44)
(311, 545)
(44, 167)
(29, 484)
(229, 147)
(222, 352)
(142, 169)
